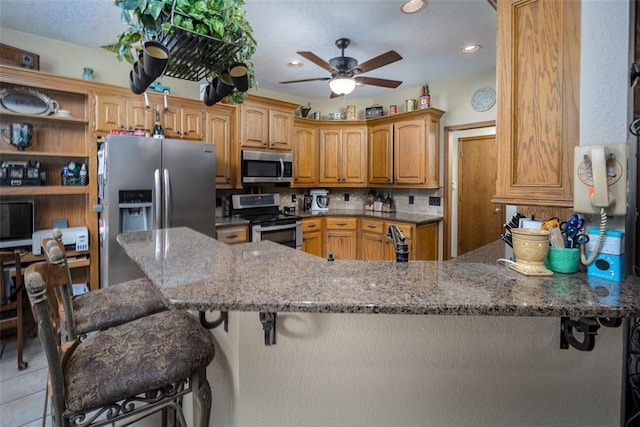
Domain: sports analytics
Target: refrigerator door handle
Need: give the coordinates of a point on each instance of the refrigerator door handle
(167, 199)
(158, 200)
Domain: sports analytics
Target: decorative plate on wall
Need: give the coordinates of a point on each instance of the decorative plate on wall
(26, 101)
(483, 99)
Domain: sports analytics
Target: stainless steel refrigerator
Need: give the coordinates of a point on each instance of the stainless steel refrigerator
(146, 184)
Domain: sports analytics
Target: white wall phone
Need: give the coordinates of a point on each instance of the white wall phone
(600, 185)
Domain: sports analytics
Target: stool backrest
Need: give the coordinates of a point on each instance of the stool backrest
(41, 280)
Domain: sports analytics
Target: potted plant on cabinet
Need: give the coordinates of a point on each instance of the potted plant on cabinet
(218, 29)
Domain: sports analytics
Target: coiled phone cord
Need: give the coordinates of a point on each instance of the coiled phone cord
(599, 242)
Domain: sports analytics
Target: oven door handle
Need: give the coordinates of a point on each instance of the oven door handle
(276, 227)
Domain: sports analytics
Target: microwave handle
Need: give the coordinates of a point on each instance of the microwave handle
(281, 169)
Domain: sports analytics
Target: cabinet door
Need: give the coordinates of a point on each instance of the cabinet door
(255, 126)
(305, 157)
(330, 147)
(110, 112)
(432, 152)
(219, 133)
(138, 115)
(538, 69)
(380, 157)
(409, 152)
(312, 243)
(342, 244)
(354, 156)
(170, 118)
(191, 123)
(280, 129)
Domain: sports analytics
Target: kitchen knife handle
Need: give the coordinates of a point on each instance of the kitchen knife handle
(157, 201)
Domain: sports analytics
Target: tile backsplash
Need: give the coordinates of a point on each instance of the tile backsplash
(354, 198)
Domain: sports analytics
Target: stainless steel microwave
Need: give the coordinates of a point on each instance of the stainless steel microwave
(266, 166)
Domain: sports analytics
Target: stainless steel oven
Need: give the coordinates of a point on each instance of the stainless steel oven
(266, 221)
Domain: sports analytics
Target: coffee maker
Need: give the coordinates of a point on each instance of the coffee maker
(319, 200)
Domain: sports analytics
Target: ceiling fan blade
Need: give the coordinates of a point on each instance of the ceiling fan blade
(317, 79)
(318, 61)
(377, 62)
(372, 81)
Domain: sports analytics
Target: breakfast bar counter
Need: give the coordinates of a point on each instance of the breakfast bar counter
(354, 346)
(196, 272)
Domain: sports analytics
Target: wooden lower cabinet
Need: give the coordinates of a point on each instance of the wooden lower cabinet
(375, 244)
(233, 234)
(312, 238)
(341, 237)
(367, 239)
(372, 240)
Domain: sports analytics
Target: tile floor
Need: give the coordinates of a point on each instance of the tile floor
(22, 392)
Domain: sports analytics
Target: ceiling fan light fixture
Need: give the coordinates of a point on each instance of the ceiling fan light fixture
(412, 6)
(342, 85)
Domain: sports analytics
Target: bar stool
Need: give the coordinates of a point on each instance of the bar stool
(128, 371)
(12, 303)
(107, 307)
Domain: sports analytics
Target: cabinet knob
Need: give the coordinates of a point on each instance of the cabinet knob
(497, 210)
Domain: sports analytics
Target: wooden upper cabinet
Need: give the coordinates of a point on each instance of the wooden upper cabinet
(305, 156)
(280, 129)
(266, 124)
(139, 116)
(409, 152)
(184, 121)
(538, 70)
(343, 155)
(255, 126)
(404, 150)
(381, 154)
(218, 131)
(110, 112)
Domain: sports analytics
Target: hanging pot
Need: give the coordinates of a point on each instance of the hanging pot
(156, 57)
(240, 75)
(225, 85)
(210, 94)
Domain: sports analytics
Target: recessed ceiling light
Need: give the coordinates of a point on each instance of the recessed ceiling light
(412, 6)
(471, 48)
(295, 64)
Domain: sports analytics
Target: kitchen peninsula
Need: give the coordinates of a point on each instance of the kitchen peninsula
(497, 361)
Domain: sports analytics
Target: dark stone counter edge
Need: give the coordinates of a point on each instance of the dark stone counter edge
(504, 311)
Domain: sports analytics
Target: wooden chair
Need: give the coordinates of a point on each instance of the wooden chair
(13, 303)
(107, 307)
(126, 372)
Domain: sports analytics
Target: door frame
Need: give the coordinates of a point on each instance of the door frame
(447, 223)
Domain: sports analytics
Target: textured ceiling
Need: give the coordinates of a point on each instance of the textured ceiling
(429, 41)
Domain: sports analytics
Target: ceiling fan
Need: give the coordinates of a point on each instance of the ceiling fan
(344, 70)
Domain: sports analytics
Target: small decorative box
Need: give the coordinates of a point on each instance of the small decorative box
(19, 174)
(373, 111)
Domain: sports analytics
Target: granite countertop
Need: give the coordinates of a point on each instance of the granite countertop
(194, 271)
(230, 221)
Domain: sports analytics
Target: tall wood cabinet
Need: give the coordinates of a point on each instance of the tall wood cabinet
(220, 129)
(343, 155)
(305, 154)
(538, 71)
(57, 141)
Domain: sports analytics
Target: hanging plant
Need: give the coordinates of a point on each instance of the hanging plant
(221, 20)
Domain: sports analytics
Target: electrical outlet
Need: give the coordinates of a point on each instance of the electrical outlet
(346, 197)
(411, 199)
(434, 201)
(293, 197)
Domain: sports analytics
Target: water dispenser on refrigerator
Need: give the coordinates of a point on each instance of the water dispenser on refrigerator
(135, 208)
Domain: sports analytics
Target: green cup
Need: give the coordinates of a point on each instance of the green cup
(563, 260)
